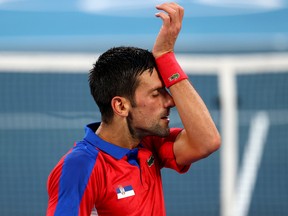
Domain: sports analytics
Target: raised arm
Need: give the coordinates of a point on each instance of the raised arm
(200, 137)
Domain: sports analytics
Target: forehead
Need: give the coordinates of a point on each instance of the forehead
(148, 80)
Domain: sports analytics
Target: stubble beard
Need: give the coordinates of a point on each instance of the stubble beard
(155, 130)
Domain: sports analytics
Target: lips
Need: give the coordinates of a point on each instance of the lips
(166, 116)
(166, 119)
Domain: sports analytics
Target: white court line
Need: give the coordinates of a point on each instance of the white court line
(37, 62)
(251, 162)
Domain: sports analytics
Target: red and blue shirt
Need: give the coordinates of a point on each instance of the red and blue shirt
(96, 174)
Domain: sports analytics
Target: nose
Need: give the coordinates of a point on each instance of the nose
(169, 102)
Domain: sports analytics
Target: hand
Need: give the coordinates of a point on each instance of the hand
(172, 23)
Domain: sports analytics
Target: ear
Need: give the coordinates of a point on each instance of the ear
(120, 106)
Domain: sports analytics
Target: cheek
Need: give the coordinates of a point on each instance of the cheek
(145, 111)
(150, 102)
(149, 107)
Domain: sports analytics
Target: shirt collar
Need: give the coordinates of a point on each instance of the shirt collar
(109, 148)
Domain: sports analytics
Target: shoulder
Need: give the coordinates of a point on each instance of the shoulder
(77, 164)
(81, 154)
(75, 168)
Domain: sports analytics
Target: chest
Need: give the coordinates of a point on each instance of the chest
(129, 189)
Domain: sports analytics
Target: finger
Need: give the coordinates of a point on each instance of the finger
(178, 8)
(167, 8)
(175, 11)
(165, 17)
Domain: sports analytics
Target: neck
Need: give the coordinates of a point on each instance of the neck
(117, 134)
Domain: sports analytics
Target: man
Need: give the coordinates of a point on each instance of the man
(115, 169)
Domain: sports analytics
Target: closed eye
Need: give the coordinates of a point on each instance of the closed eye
(155, 94)
(158, 91)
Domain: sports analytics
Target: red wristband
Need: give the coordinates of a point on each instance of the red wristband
(169, 69)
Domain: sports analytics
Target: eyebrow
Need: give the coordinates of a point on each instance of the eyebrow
(156, 88)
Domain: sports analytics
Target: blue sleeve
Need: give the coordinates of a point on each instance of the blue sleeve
(76, 171)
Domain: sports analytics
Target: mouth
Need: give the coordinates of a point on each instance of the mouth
(166, 117)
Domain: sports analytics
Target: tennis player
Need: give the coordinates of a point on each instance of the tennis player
(115, 169)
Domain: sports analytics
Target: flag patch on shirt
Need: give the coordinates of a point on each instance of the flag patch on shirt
(124, 192)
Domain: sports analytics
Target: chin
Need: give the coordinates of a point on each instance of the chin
(164, 132)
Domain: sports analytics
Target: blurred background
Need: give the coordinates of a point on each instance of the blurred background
(236, 55)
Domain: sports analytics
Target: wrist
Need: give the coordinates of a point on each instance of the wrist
(169, 69)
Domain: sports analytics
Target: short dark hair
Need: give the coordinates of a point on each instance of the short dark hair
(116, 73)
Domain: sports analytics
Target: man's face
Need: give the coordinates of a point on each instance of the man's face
(152, 102)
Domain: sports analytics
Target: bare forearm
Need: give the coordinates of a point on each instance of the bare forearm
(200, 136)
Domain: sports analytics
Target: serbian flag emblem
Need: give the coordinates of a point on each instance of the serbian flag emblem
(124, 192)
